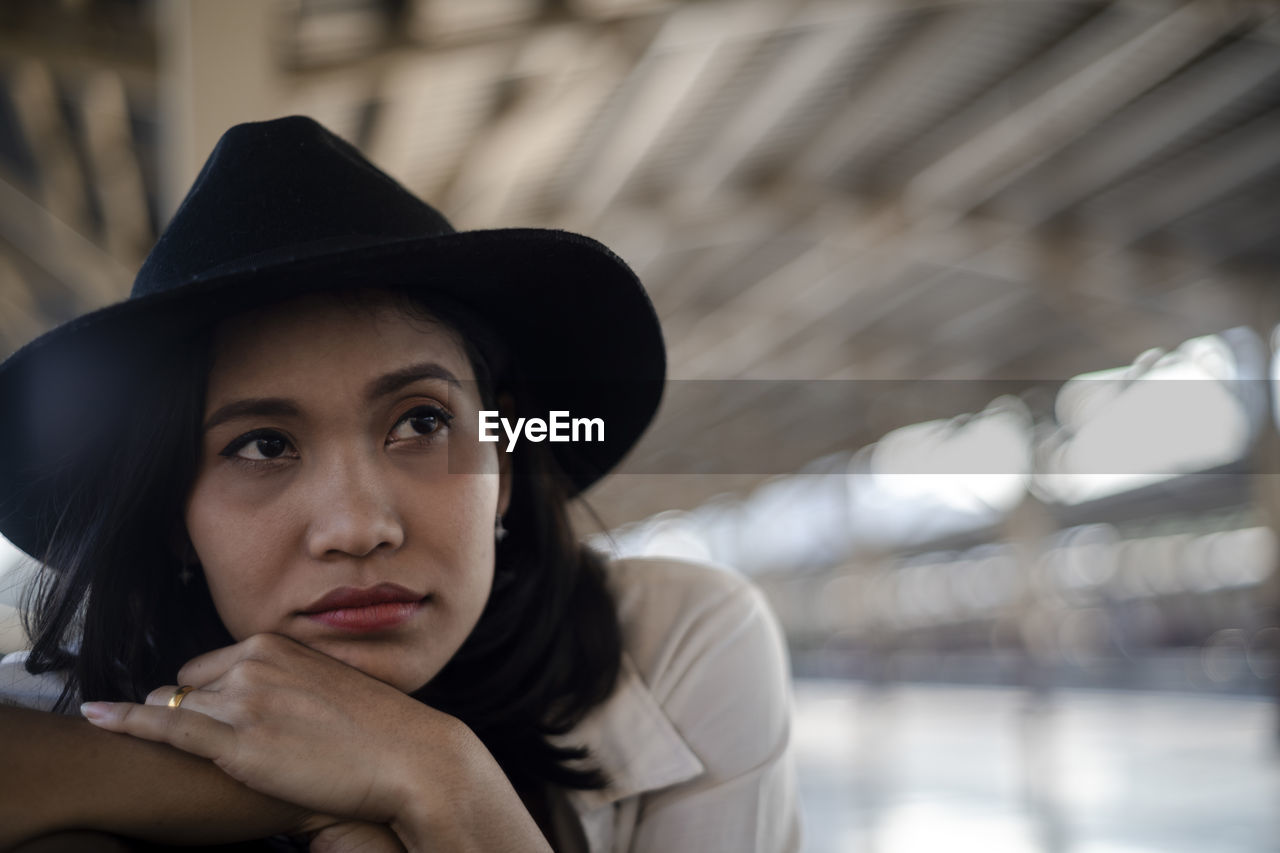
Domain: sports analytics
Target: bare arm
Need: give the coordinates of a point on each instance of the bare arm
(309, 729)
(61, 773)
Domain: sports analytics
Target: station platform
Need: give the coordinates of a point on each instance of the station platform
(926, 768)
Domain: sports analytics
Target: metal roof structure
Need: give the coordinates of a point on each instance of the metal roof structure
(961, 190)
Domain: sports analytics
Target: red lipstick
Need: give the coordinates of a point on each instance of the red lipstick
(373, 609)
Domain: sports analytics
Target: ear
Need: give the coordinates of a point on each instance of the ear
(506, 409)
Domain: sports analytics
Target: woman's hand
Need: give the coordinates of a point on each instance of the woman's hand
(298, 725)
(290, 722)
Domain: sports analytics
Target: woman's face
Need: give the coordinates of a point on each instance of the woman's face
(326, 507)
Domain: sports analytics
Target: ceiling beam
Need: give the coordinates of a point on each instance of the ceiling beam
(20, 316)
(873, 109)
(691, 57)
(765, 312)
(116, 174)
(1092, 36)
(71, 60)
(429, 110)
(1187, 183)
(978, 168)
(564, 75)
(61, 251)
(1152, 125)
(218, 68)
(59, 181)
(826, 46)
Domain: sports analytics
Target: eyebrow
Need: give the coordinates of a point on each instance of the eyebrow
(252, 407)
(397, 379)
(284, 407)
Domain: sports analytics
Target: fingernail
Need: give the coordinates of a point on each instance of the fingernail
(94, 711)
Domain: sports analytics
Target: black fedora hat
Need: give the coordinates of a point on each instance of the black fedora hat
(284, 208)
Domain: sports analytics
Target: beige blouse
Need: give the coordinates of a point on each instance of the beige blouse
(697, 734)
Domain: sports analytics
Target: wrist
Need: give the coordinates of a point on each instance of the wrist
(428, 785)
(457, 799)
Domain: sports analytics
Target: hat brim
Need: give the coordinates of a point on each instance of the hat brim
(573, 313)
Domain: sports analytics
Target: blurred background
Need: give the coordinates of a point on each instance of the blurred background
(972, 324)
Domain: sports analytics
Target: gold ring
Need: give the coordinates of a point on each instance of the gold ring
(178, 695)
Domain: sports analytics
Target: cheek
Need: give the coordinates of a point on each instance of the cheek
(235, 553)
(463, 528)
(460, 509)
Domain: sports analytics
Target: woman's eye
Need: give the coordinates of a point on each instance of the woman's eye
(421, 421)
(258, 447)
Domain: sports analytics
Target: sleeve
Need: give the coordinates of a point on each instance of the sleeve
(24, 690)
(726, 688)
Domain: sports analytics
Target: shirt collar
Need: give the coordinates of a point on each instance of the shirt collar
(633, 742)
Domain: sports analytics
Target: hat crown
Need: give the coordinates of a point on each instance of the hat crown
(279, 190)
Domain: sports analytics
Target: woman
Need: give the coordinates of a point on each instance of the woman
(304, 596)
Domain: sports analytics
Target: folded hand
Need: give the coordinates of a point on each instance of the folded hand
(296, 724)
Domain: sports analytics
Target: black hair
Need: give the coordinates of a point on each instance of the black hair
(115, 614)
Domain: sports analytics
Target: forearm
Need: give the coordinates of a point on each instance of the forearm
(61, 773)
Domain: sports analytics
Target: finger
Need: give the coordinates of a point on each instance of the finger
(186, 729)
(167, 693)
(204, 669)
(205, 700)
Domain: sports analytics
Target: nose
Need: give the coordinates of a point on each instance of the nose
(352, 511)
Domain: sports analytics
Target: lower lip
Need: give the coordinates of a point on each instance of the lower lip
(374, 617)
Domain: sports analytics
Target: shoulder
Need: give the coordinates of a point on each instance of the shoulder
(656, 593)
(706, 644)
(21, 688)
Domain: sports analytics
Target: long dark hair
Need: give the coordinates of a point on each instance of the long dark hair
(114, 612)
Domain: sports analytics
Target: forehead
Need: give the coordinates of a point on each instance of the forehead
(332, 336)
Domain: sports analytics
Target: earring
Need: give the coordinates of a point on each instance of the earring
(499, 532)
